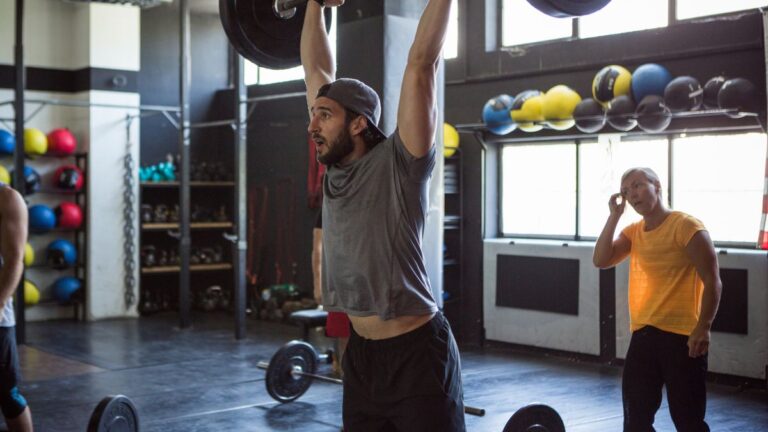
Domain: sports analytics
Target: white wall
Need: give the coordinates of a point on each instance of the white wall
(580, 333)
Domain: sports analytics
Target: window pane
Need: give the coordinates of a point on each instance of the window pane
(521, 23)
(622, 16)
(601, 166)
(451, 47)
(539, 189)
(698, 8)
(719, 180)
(254, 74)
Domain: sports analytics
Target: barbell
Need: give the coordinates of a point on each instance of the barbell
(114, 414)
(268, 32)
(293, 367)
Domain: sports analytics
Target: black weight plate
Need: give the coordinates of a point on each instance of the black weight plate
(568, 8)
(260, 36)
(535, 418)
(114, 414)
(281, 384)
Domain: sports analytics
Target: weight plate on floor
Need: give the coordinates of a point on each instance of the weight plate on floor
(535, 418)
(568, 8)
(282, 384)
(260, 36)
(114, 414)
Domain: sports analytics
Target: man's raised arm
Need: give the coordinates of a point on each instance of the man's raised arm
(416, 116)
(316, 55)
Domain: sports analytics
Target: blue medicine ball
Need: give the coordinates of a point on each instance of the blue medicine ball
(497, 115)
(649, 79)
(64, 287)
(41, 218)
(61, 254)
(7, 142)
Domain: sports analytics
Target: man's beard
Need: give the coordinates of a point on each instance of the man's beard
(338, 150)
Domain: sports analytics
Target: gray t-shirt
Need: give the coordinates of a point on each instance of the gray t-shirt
(373, 223)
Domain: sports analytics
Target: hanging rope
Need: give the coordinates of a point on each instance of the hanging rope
(129, 219)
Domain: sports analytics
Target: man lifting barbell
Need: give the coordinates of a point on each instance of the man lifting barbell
(402, 367)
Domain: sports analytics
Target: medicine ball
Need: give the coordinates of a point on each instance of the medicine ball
(559, 103)
(527, 110)
(7, 142)
(35, 142)
(31, 180)
(61, 254)
(683, 94)
(652, 114)
(738, 94)
(29, 255)
(69, 215)
(61, 142)
(496, 115)
(64, 287)
(649, 79)
(31, 293)
(5, 176)
(68, 177)
(711, 89)
(41, 218)
(611, 81)
(621, 113)
(589, 116)
(450, 140)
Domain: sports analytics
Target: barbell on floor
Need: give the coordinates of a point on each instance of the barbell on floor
(268, 32)
(292, 368)
(114, 414)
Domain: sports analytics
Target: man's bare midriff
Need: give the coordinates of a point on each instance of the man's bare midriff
(373, 327)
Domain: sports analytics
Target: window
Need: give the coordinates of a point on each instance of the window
(539, 189)
(255, 74)
(622, 16)
(451, 47)
(522, 24)
(697, 8)
(719, 180)
(601, 167)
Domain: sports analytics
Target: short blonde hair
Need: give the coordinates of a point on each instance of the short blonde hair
(649, 174)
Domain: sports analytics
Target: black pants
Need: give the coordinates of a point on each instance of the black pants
(655, 359)
(12, 403)
(411, 382)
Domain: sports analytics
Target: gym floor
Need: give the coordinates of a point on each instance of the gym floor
(204, 380)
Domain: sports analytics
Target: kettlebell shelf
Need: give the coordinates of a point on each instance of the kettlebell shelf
(192, 268)
(192, 184)
(193, 225)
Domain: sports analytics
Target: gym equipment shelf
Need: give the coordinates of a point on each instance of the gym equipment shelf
(193, 267)
(193, 225)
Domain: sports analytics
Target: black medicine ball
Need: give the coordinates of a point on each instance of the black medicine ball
(738, 94)
(621, 113)
(652, 114)
(683, 94)
(589, 116)
(711, 89)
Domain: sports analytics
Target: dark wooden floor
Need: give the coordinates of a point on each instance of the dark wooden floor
(203, 380)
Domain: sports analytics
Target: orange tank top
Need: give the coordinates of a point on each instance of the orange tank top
(664, 289)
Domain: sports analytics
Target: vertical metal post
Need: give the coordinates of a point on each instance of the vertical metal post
(185, 241)
(18, 155)
(241, 217)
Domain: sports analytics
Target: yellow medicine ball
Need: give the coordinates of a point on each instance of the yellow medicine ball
(29, 255)
(529, 115)
(450, 140)
(31, 293)
(559, 103)
(610, 82)
(35, 142)
(5, 176)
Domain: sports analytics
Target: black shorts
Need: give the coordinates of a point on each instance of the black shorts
(411, 382)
